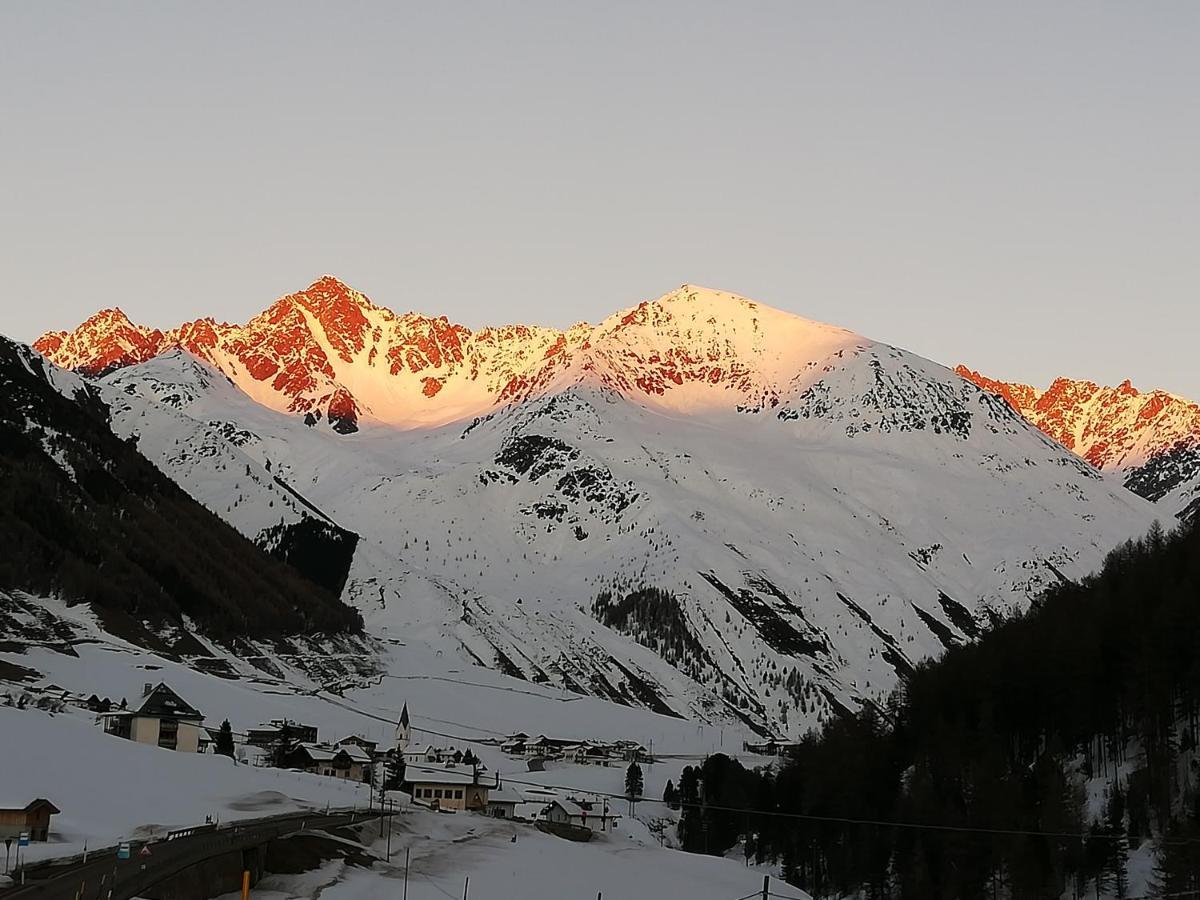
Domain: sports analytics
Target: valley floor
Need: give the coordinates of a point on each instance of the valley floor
(446, 850)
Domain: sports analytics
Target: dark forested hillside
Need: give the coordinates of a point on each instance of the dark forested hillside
(83, 515)
(977, 772)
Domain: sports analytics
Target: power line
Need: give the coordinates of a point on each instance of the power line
(845, 820)
(393, 719)
(541, 695)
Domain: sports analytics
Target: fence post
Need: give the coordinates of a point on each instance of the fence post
(766, 886)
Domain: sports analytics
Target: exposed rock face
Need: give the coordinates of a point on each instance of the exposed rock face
(1152, 440)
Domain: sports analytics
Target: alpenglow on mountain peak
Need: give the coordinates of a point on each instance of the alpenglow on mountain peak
(328, 352)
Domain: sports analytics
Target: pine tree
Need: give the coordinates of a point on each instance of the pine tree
(670, 795)
(690, 833)
(1177, 860)
(1117, 863)
(634, 785)
(393, 772)
(224, 745)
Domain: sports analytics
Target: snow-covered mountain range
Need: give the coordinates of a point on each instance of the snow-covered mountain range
(701, 505)
(1151, 441)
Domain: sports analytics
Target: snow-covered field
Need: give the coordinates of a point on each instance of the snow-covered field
(110, 789)
(446, 851)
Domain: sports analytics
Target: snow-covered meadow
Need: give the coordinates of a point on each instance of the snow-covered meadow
(457, 856)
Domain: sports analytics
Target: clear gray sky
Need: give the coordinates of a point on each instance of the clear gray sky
(1012, 185)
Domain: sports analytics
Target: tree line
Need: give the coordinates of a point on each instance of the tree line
(1027, 764)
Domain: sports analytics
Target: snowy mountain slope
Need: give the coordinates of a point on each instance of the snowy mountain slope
(701, 504)
(1151, 441)
(262, 472)
(85, 517)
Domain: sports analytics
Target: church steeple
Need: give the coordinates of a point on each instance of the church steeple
(402, 729)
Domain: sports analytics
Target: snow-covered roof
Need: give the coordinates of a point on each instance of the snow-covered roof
(29, 805)
(164, 703)
(439, 775)
(318, 753)
(355, 752)
(356, 739)
(583, 808)
(505, 794)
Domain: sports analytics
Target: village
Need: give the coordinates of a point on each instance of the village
(403, 774)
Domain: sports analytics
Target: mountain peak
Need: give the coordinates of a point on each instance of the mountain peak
(331, 283)
(330, 290)
(107, 340)
(111, 316)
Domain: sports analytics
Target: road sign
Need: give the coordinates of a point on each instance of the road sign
(145, 851)
(123, 850)
(23, 840)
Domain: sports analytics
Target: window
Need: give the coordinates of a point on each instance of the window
(458, 794)
(437, 793)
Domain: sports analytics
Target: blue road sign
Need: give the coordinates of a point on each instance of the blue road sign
(23, 840)
(123, 850)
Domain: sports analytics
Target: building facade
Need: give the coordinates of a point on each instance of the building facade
(33, 817)
(164, 720)
(452, 789)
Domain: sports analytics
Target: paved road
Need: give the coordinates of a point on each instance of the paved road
(104, 876)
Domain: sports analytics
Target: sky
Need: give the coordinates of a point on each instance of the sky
(1011, 185)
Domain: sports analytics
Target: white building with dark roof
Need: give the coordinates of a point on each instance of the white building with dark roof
(590, 814)
(164, 720)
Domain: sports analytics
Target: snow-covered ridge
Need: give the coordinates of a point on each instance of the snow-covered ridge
(329, 352)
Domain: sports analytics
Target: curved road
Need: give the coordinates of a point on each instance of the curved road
(104, 876)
